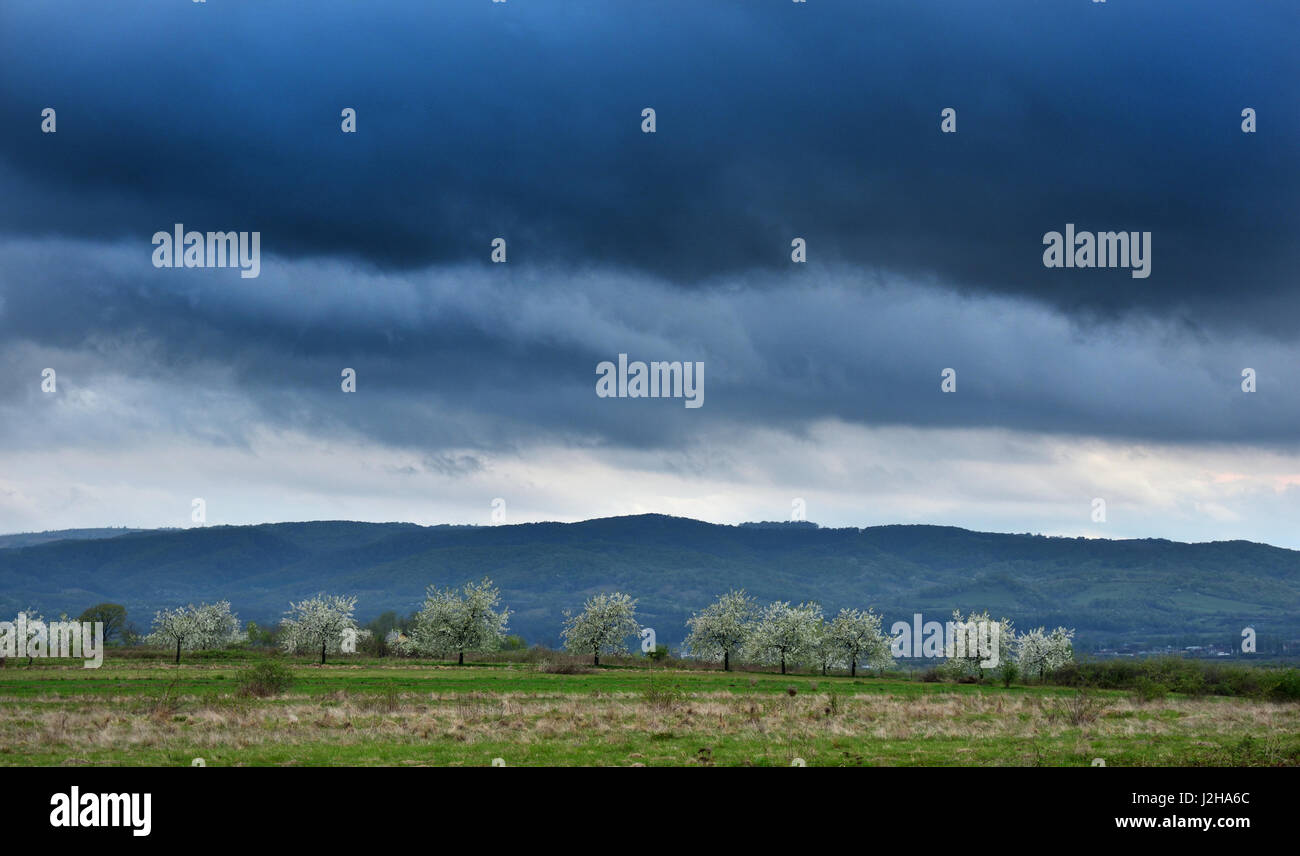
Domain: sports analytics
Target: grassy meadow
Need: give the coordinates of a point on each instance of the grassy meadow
(143, 710)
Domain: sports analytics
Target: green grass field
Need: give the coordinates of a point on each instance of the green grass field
(139, 711)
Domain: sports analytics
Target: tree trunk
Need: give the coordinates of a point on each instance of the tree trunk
(178, 652)
(726, 661)
(461, 661)
(595, 658)
(322, 653)
(853, 667)
(783, 662)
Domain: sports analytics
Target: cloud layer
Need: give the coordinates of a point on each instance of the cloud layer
(775, 120)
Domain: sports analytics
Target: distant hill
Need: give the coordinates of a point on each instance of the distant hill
(29, 539)
(1111, 591)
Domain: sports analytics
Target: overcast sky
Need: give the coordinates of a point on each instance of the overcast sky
(775, 120)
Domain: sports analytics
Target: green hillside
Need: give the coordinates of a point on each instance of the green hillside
(1111, 591)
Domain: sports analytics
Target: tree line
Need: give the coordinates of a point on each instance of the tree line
(734, 628)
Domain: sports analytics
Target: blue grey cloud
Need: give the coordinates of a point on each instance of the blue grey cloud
(775, 119)
(522, 120)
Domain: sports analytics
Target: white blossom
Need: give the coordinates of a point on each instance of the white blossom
(605, 623)
(721, 628)
(785, 634)
(1001, 645)
(196, 628)
(857, 638)
(1041, 652)
(318, 624)
(468, 620)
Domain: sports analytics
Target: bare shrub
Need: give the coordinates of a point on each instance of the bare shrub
(1079, 709)
(662, 696)
(265, 679)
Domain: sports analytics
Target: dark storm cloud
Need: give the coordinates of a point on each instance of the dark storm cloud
(775, 119)
(463, 358)
(522, 120)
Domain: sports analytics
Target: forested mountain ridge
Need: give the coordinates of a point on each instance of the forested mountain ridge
(1110, 590)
